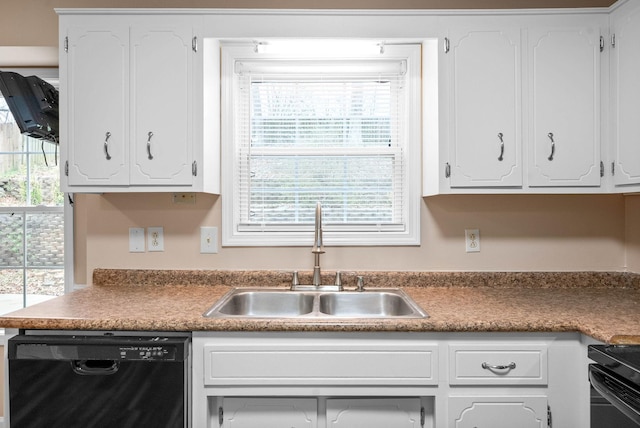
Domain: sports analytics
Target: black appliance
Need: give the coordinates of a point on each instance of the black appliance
(33, 103)
(104, 381)
(616, 378)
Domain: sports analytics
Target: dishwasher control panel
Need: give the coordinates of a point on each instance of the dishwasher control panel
(119, 348)
(146, 352)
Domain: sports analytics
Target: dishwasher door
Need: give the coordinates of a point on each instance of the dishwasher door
(98, 381)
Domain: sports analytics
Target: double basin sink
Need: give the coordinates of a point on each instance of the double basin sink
(282, 303)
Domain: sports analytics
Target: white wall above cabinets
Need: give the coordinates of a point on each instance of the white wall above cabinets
(133, 105)
(520, 106)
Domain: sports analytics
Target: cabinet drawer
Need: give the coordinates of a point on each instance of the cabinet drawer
(301, 363)
(498, 364)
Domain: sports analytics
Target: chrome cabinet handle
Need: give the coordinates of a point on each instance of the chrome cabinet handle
(501, 157)
(150, 134)
(553, 146)
(106, 145)
(509, 366)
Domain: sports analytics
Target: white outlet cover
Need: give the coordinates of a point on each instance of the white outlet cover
(472, 240)
(155, 239)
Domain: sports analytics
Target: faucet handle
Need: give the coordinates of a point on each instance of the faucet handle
(338, 282)
(360, 283)
(295, 281)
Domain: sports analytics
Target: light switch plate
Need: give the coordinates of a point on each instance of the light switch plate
(155, 238)
(208, 240)
(136, 239)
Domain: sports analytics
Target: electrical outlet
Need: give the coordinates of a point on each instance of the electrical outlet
(136, 239)
(155, 238)
(208, 240)
(472, 240)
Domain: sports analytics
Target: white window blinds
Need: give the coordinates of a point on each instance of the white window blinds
(330, 130)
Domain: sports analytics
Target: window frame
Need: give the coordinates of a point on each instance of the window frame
(335, 235)
(51, 75)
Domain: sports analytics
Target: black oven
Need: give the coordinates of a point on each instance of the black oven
(615, 379)
(101, 381)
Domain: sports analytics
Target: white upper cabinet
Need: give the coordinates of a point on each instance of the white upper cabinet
(564, 88)
(97, 98)
(161, 105)
(484, 108)
(625, 94)
(133, 105)
(520, 107)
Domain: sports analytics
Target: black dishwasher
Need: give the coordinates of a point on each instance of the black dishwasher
(102, 381)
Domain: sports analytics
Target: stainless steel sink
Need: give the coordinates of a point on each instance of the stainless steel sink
(282, 303)
(369, 304)
(271, 304)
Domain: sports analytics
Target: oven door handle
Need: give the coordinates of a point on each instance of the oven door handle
(599, 380)
(95, 367)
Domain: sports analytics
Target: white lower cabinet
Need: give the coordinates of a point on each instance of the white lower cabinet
(487, 364)
(505, 411)
(478, 369)
(375, 413)
(267, 412)
(389, 379)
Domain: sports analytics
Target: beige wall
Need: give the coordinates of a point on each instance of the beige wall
(518, 232)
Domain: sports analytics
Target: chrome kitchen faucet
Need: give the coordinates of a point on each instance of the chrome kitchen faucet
(318, 248)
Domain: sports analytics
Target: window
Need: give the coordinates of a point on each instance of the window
(32, 217)
(342, 129)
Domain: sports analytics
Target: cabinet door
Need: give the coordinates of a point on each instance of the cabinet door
(565, 107)
(161, 107)
(98, 105)
(498, 412)
(485, 108)
(374, 413)
(626, 94)
(270, 413)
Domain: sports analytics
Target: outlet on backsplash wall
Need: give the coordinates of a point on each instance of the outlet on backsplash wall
(528, 233)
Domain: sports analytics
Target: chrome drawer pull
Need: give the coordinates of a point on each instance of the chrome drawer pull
(509, 366)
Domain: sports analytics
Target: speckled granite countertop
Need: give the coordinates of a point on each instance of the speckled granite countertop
(605, 306)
